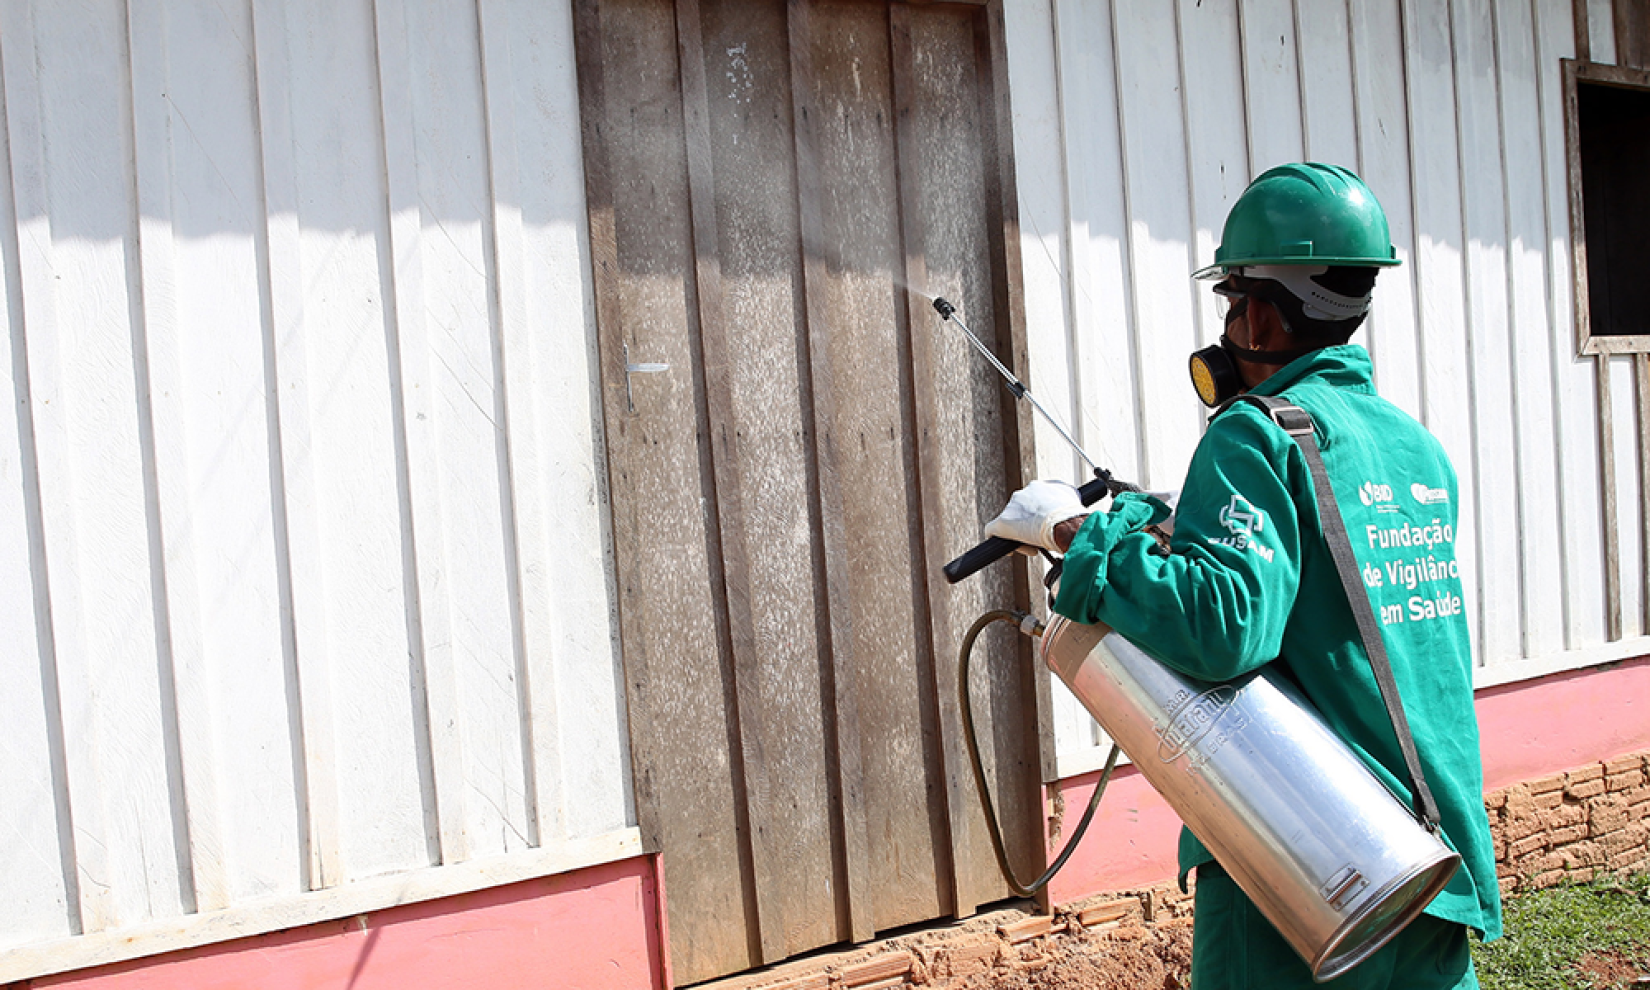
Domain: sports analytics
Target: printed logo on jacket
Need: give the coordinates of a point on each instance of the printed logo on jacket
(1414, 556)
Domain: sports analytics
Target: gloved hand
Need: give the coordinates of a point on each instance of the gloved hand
(1034, 511)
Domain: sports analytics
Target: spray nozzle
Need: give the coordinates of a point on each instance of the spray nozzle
(944, 308)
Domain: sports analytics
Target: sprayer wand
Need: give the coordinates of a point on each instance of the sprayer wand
(995, 548)
(949, 313)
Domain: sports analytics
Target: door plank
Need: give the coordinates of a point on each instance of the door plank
(763, 773)
(840, 655)
(873, 442)
(1027, 739)
(944, 639)
(673, 626)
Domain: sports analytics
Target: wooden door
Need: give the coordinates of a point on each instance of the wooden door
(766, 179)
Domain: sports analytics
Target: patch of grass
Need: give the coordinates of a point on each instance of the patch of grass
(1549, 932)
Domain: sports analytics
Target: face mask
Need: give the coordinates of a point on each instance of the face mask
(1214, 368)
(1215, 374)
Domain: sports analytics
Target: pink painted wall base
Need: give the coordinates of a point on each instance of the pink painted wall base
(597, 929)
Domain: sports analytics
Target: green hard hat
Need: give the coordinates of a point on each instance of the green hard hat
(1304, 213)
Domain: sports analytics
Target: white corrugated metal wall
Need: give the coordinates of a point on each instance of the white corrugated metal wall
(1139, 123)
(304, 572)
(303, 559)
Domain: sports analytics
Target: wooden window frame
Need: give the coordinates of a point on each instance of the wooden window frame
(1575, 73)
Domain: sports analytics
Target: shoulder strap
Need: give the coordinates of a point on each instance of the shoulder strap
(1294, 421)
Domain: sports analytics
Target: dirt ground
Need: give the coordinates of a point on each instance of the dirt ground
(1612, 969)
(1129, 957)
(1132, 940)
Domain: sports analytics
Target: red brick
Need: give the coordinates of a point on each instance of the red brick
(1523, 827)
(1551, 878)
(1545, 784)
(1583, 875)
(1585, 789)
(1029, 928)
(1632, 837)
(1541, 863)
(1495, 800)
(1591, 771)
(1099, 914)
(1569, 814)
(1625, 763)
(1563, 836)
(1626, 780)
(1607, 814)
(1627, 859)
(1553, 799)
(1509, 886)
(1637, 796)
(968, 959)
(1529, 844)
(1517, 799)
(1582, 854)
(887, 966)
(813, 981)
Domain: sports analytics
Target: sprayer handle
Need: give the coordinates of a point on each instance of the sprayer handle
(996, 548)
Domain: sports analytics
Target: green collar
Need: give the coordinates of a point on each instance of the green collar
(1342, 366)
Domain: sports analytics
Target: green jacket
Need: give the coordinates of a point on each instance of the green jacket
(1250, 581)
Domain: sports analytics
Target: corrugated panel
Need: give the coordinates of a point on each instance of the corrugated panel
(1453, 113)
(302, 506)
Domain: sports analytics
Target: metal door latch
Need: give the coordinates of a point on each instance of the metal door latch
(647, 368)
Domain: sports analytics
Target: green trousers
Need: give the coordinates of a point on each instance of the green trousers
(1234, 947)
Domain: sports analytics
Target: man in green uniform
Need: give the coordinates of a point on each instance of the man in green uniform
(1249, 578)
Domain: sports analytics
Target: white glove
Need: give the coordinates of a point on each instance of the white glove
(1034, 511)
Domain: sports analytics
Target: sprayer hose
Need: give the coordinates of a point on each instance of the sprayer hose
(992, 826)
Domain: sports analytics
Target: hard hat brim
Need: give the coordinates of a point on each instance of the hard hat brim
(1222, 268)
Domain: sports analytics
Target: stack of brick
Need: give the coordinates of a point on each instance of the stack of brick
(1573, 826)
